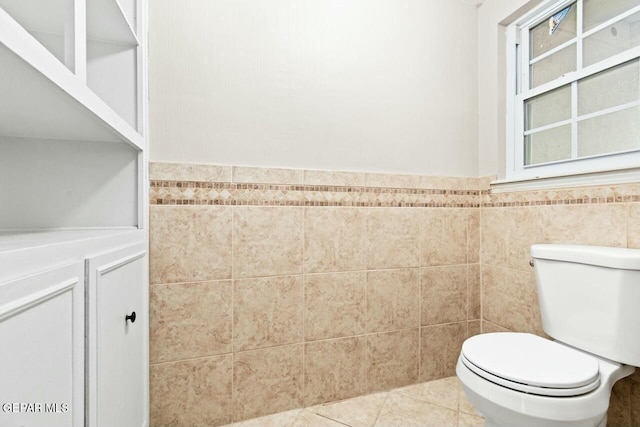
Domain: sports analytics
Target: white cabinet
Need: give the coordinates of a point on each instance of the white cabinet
(73, 167)
(66, 344)
(117, 329)
(42, 349)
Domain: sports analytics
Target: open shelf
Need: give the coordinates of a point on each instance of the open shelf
(43, 20)
(112, 75)
(68, 184)
(106, 20)
(43, 99)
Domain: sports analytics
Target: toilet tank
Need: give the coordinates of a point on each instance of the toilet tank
(590, 298)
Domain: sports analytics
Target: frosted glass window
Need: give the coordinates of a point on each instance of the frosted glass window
(548, 146)
(540, 39)
(575, 88)
(614, 39)
(609, 133)
(553, 66)
(611, 88)
(549, 108)
(598, 11)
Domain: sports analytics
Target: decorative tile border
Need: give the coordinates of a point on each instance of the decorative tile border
(241, 194)
(623, 193)
(185, 184)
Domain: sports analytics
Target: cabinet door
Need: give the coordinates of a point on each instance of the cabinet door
(117, 292)
(42, 349)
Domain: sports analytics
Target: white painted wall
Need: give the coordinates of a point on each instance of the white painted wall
(373, 85)
(493, 18)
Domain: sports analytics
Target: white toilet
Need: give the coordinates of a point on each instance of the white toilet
(590, 304)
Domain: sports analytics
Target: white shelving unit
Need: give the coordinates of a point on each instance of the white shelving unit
(73, 210)
(47, 100)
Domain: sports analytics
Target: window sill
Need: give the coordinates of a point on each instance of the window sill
(609, 177)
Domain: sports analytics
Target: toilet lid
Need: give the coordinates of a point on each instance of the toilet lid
(531, 360)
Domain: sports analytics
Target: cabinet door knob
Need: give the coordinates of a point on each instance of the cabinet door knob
(131, 317)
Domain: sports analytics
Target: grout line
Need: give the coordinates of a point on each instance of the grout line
(325, 340)
(193, 282)
(233, 304)
(628, 212)
(480, 268)
(384, 403)
(423, 259)
(528, 270)
(420, 302)
(496, 324)
(233, 389)
(189, 359)
(468, 268)
(367, 359)
(420, 399)
(233, 308)
(327, 418)
(366, 212)
(304, 307)
(467, 272)
(233, 236)
(421, 237)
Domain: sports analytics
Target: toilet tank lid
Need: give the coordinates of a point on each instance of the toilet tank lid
(621, 258)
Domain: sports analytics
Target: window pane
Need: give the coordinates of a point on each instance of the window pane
(540, 39)
(609, 133)
(610, 88)
(612, 40)
(553, 66)
(548, 146)
(598, 11)
(548, 108)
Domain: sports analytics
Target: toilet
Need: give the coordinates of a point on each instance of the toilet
(589, 300)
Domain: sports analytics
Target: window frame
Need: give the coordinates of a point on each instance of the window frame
(518, 62)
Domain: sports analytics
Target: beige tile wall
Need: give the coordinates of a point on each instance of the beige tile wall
(512, 222)
(260, 309)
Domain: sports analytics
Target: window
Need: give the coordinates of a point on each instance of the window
(574, 103)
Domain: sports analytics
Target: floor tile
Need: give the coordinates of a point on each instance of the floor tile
(403, 411)
(463, 403)
(439, 403)
(357, 412)
(282, 419)
(442, 392)
(467, 420)
(309, 419)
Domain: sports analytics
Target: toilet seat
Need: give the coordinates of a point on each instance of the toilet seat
(530, 364)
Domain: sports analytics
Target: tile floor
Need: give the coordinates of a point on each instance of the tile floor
(439, 403)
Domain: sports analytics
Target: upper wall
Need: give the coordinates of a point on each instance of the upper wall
(363, 85)
(493, 17)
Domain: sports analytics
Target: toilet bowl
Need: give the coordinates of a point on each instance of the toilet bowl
(587, 297)
(544, 383)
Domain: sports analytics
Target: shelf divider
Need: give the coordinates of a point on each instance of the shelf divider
(52, 88)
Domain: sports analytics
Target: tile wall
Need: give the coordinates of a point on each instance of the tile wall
(277, 289)
(512, 222)
(274, 289)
